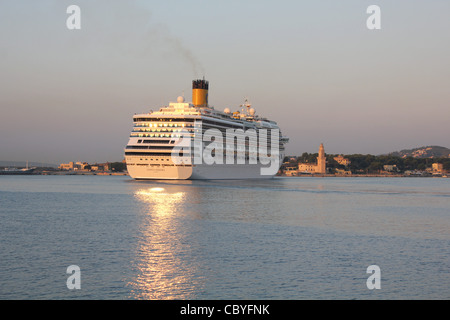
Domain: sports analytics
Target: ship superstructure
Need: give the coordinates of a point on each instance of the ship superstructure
(221, 144)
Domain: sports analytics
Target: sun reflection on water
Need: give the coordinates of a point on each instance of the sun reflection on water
(163, 258)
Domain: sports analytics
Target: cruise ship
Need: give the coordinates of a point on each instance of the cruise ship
(195, 141)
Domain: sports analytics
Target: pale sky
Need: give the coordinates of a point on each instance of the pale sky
(313, 66)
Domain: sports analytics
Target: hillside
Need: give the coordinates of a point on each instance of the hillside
(423, 152)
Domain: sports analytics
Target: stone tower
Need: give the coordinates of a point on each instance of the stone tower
(321, 160)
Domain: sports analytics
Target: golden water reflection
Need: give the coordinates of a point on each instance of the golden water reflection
(164, 260)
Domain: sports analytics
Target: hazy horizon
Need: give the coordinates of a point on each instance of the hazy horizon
(312, 66)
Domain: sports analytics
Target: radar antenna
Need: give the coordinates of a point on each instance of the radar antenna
(247, 105)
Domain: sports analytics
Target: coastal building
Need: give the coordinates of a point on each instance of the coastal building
(342, 172)
(437, 168)
(101, 167)
(106, 166)
(318, 167)
(74, 166)
(390, 168)
(341, 160)
(81, 165)
(290, 171)
(66, 166)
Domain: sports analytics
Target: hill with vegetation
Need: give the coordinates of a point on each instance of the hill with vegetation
(423, 152)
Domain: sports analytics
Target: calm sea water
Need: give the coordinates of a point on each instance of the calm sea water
(286, 238)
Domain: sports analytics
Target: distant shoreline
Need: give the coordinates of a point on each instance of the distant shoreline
(101, 173)
(361, 176)
(79, 173)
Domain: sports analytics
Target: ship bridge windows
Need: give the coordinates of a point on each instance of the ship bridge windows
(158, 141)
(163, 120)
(151, 147)
(163, 125)
(150, 154)
(162, 128)
(156, 135)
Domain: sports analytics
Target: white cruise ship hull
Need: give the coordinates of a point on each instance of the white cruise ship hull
(196, 172)
(159, 172)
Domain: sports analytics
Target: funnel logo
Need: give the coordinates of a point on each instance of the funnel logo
(234, 146)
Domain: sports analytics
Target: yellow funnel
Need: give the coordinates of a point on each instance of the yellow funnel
(200, 93)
